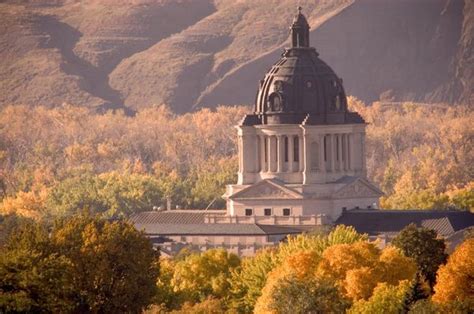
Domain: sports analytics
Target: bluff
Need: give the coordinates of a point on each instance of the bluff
(188, 54)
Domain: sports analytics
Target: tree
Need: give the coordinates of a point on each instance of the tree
(385, 299)
(31, 272)
(455, 279)
(359, 267)
(291, 295)
(298, 253)
(248, 280)
(100, 266)
(424, 247)
(203, 275)
(293, 287)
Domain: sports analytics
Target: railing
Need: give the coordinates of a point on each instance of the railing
(268, 220)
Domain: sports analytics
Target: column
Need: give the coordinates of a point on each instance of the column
(347, 163)
(290, 154)
(270, 154)
(241, 154)
(322, 162)
(262, 153)
(280, 153)
(332, 155)
(341, 160)
(364, 169)
(302, 155)
(258, 163)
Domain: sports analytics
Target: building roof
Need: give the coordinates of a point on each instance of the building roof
(191, 222)
(173, 216)
(374, 222)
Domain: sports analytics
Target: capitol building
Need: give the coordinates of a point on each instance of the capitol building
(301, 167)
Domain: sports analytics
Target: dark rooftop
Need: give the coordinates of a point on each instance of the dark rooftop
(191, 222)
(373, 222)
(173, 216)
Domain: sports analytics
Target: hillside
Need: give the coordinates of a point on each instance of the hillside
(187, 54)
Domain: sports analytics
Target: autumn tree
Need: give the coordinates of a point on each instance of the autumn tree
(31, 272)
(291, 295)
(455, 279)
(251, 277)
(292, 287)
(202, 275)
(424, 246)
(385, 299)
(359, 267)
(248, 280)
(101, 266)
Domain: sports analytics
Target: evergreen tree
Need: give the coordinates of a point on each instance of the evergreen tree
(424, 247)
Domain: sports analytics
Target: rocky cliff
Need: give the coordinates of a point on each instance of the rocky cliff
(188, 54)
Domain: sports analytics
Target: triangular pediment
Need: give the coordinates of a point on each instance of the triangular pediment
(358, 188)
(267, 189)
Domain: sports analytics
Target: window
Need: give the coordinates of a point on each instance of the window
(337, 147)
(296, 149)
(267, 211)
(248, 212)
(286, 212)
(325, 148)
(286, 148)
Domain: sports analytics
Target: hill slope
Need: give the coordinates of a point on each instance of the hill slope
(188, 54)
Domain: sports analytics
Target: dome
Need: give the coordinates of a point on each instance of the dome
(300, 87)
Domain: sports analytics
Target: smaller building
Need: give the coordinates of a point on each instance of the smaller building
(172, 230)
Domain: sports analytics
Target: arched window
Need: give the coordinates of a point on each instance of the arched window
(286, 148)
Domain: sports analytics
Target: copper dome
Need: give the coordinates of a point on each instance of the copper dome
(300, 87)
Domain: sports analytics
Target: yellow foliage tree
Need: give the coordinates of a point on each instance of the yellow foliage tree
(455, 280)
(358, 268)
(292, 285)
(27, 204)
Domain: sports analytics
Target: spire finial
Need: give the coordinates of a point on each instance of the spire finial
(299, 8)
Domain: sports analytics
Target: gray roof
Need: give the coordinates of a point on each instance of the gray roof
(173, 216)
(224, 229)
(373, 222)
(191, 222)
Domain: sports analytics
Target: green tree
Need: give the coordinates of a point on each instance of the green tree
(291, 295)
(100, 266)
(248, 280)
(33, 277)
(111, 194)
(76, 193)
(385, 299)
(424, 247)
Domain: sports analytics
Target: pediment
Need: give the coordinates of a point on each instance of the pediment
(358, 188)
(267, 189)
